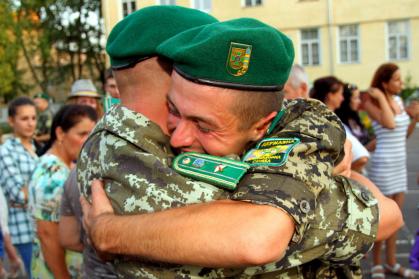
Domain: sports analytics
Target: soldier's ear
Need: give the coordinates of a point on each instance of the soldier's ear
(261, 126)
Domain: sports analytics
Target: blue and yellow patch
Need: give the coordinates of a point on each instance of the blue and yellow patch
(271, 152)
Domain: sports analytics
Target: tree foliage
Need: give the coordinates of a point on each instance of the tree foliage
(9, 54)
(59, 40)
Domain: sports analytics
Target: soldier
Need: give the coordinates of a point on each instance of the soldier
(111, 91)
(45, 115)
(291, 212)
(143, 80)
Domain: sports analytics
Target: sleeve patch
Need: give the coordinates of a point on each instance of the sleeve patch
(271, 152)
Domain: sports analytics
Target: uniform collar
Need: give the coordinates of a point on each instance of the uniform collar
(137, 129)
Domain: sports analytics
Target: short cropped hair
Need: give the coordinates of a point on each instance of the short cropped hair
(18, 102)
(252, 106)
(108, 74)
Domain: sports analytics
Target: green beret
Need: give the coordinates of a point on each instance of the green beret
(242, 53)
(42, 95)
(137, 36)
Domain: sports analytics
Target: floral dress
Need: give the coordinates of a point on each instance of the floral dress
(45, 191)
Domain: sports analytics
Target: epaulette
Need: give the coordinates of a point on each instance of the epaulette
(219, 171)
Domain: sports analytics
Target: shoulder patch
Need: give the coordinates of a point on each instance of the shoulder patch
(271, 152)
(222, 172)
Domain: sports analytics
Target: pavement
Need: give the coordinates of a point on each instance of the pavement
(406, 235)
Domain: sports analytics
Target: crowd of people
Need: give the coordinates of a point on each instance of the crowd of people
(300, 212)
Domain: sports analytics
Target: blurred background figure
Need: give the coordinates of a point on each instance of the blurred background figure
(388, 169)
(348, 114)
(16, 265)
(297, 84)
(70, 128)
(84, 92)
(3, 273)
(17, 161)
(329, 90)
(44, 121)
(111, 91)
(414, 254)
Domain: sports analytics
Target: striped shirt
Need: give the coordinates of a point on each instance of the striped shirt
(16, 166)
(388, 162)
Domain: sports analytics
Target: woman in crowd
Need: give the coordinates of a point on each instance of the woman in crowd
(17, 162)
(348, 113)
(330, 90)
(70, 128)
(388, 163)
(84, 92)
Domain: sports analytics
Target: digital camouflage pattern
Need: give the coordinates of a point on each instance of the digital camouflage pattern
(337, 219)
(303, 187)
(44, 122)
(132, 155)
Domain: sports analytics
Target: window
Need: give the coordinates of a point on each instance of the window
(310, 47)
(251, 3)
(398, 40)
(166, 2)
(203, 5)
(128, 6)
(348, 44)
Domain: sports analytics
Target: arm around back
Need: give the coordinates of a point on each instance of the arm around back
(217, 234)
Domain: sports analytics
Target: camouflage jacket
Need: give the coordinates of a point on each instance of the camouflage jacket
(124, 136)
(44, 122)
(131, 154)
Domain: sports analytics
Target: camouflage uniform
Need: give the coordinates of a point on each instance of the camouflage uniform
(338, 217)
(303, 187)
(44, 122)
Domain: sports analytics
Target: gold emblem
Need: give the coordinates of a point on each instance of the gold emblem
(238, 59)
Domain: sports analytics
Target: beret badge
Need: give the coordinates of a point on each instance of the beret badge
(238, 59)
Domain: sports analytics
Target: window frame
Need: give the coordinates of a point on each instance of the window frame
(198, 8)
(310, 51)
(348, 40)
(121, 6)
(243, 2)
(159, 2)
(408, 36)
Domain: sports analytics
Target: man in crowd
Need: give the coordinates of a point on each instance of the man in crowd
(297, 84)
(143, 81)
(45, 116)
(111, 91)
(266, 218)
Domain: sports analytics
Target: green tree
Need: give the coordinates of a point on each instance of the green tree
(61, 41)
(9, 55)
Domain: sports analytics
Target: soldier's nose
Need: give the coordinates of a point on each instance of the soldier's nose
(182, 136)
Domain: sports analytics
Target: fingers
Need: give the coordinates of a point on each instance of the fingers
(86, 207)
(100, 201)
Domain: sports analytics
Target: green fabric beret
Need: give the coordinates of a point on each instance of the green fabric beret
(137, 36)
(242, 53)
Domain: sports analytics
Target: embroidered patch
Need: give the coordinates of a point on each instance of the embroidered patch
(271, 152)
(222, 172)
(238, 59)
